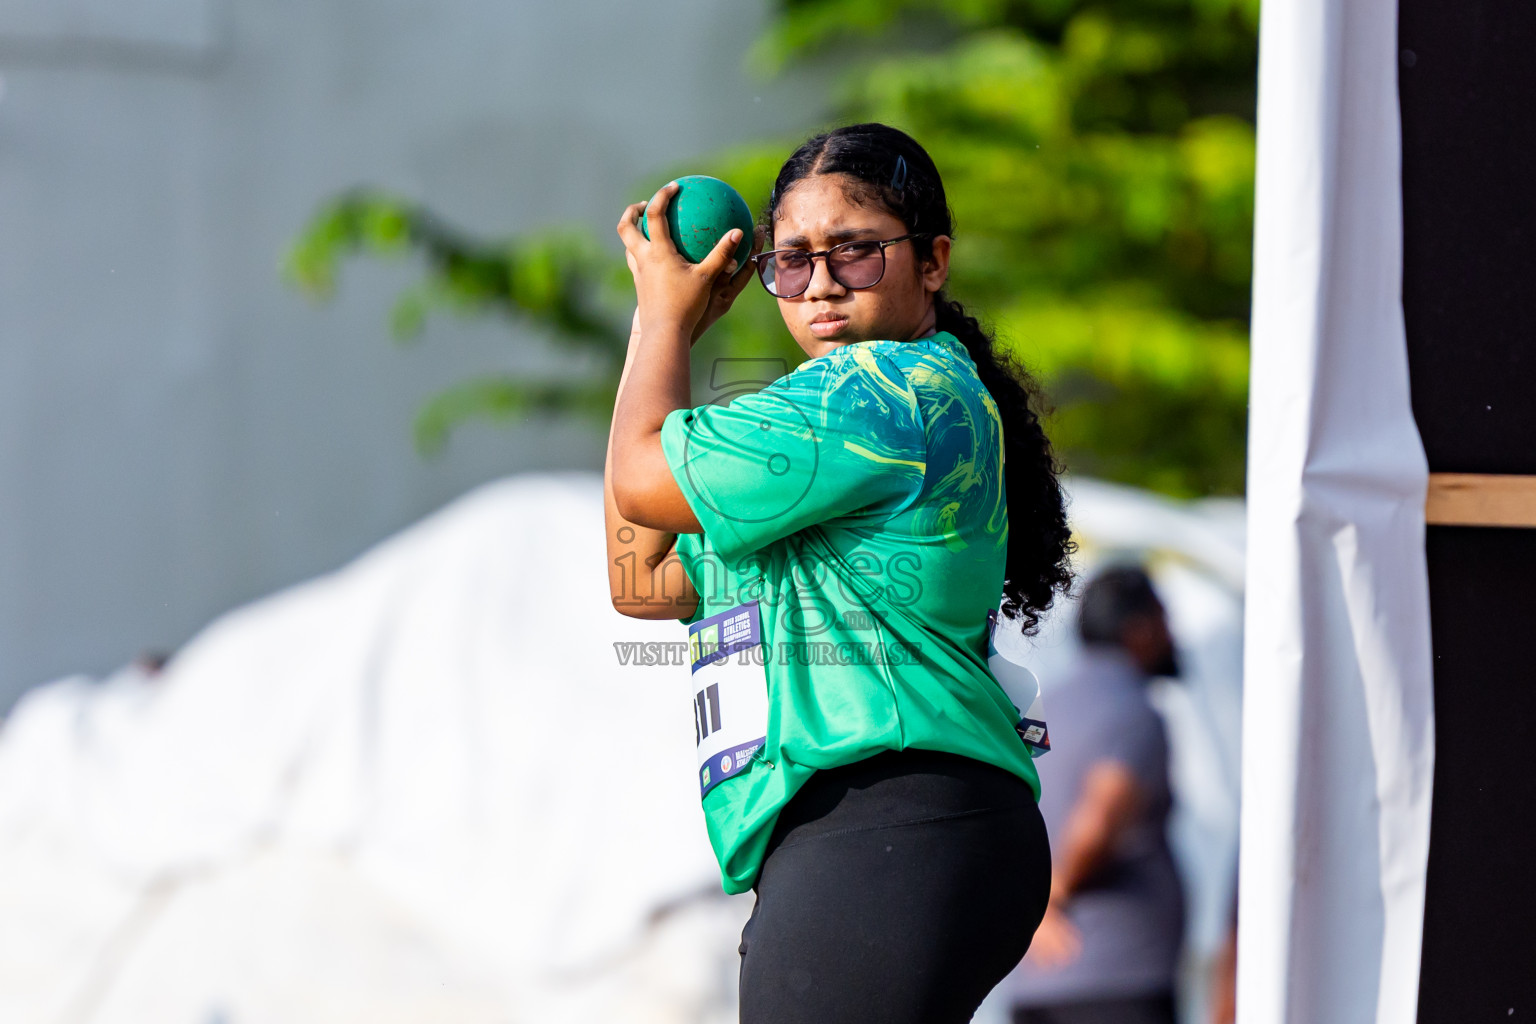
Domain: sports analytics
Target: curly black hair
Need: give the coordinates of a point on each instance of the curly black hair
(887, 168)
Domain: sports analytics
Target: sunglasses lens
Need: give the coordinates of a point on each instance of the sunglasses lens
(786, 274)
(858, 264)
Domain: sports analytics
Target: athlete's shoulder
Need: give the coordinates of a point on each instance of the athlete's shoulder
(875, 370)
(895, 353)
(852, 368)
(922, 359)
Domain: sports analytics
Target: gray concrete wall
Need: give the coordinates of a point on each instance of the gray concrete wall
(179, 431)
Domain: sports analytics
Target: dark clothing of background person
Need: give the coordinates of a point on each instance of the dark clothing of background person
(1145, 1010)
(1129, 914)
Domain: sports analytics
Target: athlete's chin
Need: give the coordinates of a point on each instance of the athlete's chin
(821, 348)
(824, 336)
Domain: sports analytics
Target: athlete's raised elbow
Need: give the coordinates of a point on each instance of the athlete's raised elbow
(629, 504)
(642, 506)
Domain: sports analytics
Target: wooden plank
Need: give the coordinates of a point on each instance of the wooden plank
(1480, 499)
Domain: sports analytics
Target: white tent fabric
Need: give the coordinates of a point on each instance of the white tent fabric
(358, 800)
(361, 800)
(1338, 743)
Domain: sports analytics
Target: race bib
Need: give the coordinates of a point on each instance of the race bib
(1022, 688)
(730, 699)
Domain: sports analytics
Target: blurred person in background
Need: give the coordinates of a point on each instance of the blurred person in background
(1224, 978)
(1108, 948)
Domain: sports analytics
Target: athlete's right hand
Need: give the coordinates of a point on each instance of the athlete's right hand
(673, 293)
(722, 294)
(726, 287)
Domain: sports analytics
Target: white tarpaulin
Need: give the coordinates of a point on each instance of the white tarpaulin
(1338, 743)
(418, 789)
(424, 788)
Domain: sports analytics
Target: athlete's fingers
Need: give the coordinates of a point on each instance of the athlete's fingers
(738, 283)
(759, 239)
(734, 284)
(720, 259)
(629, 228)
(722, 287)
(748, 268)
(656, 213)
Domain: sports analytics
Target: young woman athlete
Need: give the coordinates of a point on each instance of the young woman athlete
(842, 535)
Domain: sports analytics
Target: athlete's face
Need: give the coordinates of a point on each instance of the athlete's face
(816, 214)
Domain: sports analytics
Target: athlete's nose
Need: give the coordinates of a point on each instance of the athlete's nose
(823, 284)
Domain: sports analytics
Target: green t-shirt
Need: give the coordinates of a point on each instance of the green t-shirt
(859, 500)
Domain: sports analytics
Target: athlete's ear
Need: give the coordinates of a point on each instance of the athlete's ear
(936, 267)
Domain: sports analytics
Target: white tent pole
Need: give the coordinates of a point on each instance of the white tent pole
(1338, 733)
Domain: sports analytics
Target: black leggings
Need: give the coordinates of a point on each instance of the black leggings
(900, 888)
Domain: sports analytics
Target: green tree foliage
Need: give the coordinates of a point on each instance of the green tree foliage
(1099, 159)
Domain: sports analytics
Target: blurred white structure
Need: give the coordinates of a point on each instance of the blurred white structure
(1339, 729)
(355, 801)
(179, 431)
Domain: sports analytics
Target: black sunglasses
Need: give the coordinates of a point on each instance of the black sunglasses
(786, 273)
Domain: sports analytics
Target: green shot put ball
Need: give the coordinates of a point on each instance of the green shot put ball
(700, 214)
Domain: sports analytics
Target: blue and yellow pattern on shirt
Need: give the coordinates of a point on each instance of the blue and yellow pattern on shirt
(860, 500)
